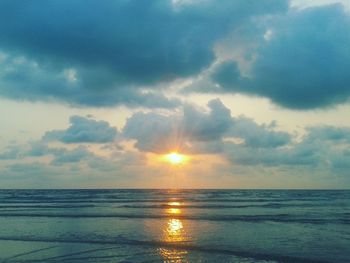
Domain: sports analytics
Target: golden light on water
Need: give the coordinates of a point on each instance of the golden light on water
(174, 229)
(174, 232)
(173, 210)
(174, 203)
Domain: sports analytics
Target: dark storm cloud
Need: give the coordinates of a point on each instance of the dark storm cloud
(199, 131)
(227, 74)
(21, 78)
(83, 130)
(112, 47)
(303, 62)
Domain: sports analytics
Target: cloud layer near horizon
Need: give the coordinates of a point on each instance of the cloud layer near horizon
(195, 131)
(83, 130)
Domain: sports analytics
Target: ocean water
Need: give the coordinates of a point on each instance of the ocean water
(174, 226)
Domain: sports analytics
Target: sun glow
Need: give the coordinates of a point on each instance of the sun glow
(175, 158)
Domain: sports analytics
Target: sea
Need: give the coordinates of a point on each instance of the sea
(174, 226)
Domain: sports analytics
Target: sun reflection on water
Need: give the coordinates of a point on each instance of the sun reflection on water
(173, 211)
(174, 203)
(173, 232)
(173, 208)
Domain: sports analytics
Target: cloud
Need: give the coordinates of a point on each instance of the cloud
(11, 152)
(302, 154)
(63, 156)
(239, 145)
(17, 151)
(24, 79)
(276, 53)
(325, 147)
(160, 133)
(228, 76)
(239, 139)
(97, 53)
(207, 126)
(29, 172)
(329, 133)
(258, 136)
(198, 131)
(341, 161)
(153, 132)
(37, 149)
(83, 130)
(299, 62)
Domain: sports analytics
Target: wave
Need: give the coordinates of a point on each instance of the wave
(159, 206)
(45, 206)
(76, 200)
(281, 218)
(220, 206)
(159, 244)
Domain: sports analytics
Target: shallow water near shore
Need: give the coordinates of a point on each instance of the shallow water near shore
(174, 226)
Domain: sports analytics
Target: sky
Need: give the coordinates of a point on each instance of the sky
(254, 94)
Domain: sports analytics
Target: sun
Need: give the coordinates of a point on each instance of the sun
(175, 158)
